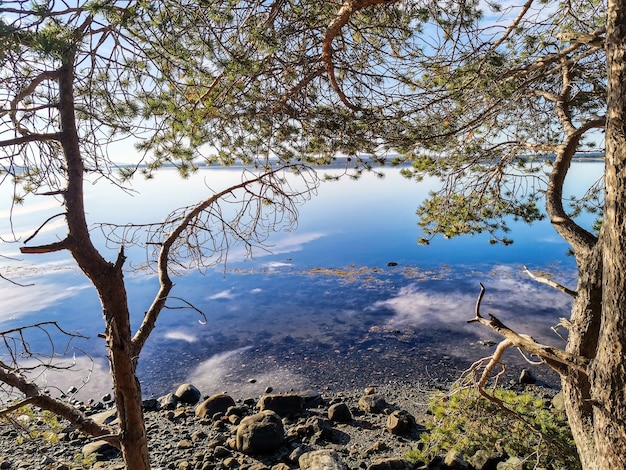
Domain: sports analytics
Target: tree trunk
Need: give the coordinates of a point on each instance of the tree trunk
(608, 375)
(109, 282)
(582, 341)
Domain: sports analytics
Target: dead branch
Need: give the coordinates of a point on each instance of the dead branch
(550, 282)
(76, 418)
(556, 358)
(50, 248)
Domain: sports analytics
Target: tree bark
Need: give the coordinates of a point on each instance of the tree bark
(108, 279)
(608, 374)
(582, 341)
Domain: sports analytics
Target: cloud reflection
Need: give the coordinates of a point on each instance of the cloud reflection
(180, 336)
(16, 301)
(525, 306)
(223, 295)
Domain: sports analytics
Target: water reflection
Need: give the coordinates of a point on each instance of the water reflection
(321, 307)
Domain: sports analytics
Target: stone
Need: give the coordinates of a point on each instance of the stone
(513, 463)
(372, 403)
(260, 433)
(184, 444)
(281, 466)
(323, 459)
(167, 402)
(296, 454)
(101, 449)
(320, 427)
(455, 461)
(392, 463)
(400, 422)
(558, 402)
(150, 404)
(188, 394)
(484, 460)
(214, 404)
(283, 405)
(526, 377)
(340, 413)
(106, 418)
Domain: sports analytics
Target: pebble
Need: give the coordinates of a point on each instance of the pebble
(180, 438)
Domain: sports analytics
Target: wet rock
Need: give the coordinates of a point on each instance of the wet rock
(400, 422)
(340, 413)
(372, 403)
(188, 394)
(260, 433)
(214, 404)
(323, 459)
(392, 463)
(283, 405)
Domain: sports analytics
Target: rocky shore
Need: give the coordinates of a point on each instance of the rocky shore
(372, 429)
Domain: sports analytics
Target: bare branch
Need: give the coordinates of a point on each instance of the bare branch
(43, 225)
(551, 283)
(344, 14)
(78, 420)
(50, 248)
(556, 358)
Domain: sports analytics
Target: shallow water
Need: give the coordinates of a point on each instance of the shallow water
(322, 309)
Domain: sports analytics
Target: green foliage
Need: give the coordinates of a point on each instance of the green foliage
(34, 423)
(465, 421)
(85, 461)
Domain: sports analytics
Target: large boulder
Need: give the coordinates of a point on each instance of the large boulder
(260, 433)
(323, 459)
(283, 405)
(215, 404)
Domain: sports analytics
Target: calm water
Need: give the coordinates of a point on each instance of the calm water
(323, 308)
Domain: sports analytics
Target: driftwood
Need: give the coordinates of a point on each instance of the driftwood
(559, 360)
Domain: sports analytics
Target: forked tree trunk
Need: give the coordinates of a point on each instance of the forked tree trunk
(108, 279)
